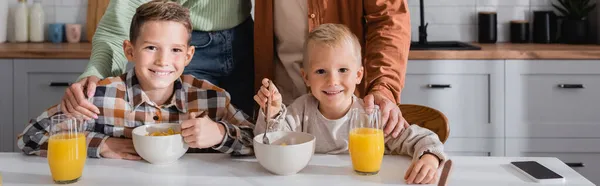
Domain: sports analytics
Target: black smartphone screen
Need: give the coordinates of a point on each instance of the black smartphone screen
(536, 170)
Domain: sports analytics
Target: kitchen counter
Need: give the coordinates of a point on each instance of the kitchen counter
(502, 51)
(499, 51)
(221, 169)
(45, 50)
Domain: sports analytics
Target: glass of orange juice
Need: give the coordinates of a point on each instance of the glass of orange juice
(366, 141)
(67, 150)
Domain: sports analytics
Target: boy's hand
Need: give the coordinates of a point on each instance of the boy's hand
(202, 132)
(262, 95)
(119, 148)
(423, 171)
(75, 102)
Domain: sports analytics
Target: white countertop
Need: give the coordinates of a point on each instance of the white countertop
(221, 169)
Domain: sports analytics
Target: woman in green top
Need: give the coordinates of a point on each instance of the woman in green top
(223, 37)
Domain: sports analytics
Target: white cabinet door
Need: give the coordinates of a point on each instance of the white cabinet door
(474, 146)
(546, 98)
(40, 84)
(6, 105)
(583, 155)
(469, 92)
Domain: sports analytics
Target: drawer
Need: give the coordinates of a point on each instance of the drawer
(469, 93)
(547, 99)
(571, 151)
(40, 84)
(46, 89)
(474, 146)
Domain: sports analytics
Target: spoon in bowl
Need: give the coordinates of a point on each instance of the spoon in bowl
(267, 114)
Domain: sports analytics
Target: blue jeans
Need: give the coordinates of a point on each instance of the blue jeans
(226, 58)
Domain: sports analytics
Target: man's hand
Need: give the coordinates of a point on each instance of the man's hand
(202, 132)
(74, 102)
(391, 116)
(423, 171)
(119, 148)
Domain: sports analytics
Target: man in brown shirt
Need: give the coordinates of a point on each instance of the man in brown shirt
(382, 26)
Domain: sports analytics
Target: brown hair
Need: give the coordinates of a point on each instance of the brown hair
(159, 10)
(332, 35)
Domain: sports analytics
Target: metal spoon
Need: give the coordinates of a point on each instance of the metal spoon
(267, 114)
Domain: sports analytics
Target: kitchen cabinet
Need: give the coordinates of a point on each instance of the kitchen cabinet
(471, 95)
(6, 105)
(552, 98)
(474, 146)
(40, 84)
(583, 155)
(469, 92)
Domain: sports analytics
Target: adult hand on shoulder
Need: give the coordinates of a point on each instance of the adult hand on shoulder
(74, 102)
(391, 117)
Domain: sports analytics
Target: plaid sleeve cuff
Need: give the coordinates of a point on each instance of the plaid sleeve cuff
(221, 147)
(95, 141)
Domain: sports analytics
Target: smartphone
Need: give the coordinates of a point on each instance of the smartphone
(538, 172)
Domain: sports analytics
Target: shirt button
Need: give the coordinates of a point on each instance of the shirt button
(312, 16)
(155, 118)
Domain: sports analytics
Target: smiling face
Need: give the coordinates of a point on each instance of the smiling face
(160, 53)
(332, 73)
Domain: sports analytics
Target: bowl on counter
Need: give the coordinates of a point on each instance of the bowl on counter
(159, 149)
(288, 153)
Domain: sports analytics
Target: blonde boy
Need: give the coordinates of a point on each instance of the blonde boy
(155, 91)
(332, 69)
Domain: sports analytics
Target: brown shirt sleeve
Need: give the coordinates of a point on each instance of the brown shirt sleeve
(387, 45)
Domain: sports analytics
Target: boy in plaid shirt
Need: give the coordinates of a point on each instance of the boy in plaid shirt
(155, 91)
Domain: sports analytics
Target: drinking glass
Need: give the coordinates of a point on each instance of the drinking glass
(366, 141)
(67, 150)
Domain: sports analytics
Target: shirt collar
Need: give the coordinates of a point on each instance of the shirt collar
(136, 96)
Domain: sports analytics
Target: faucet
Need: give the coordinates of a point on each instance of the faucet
(423, 26)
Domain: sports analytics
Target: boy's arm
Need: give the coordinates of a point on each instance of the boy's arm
(34, 139)
(107, 58)
(416, 141)
(238, 132)
(288, 119)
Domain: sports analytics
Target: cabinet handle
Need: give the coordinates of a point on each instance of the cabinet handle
(59, 84)
(439, 86)
(577, 164)
(570, 86)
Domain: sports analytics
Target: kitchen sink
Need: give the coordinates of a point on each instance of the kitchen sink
(443, 45)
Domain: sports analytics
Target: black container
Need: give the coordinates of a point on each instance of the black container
(488, 30)
(544, 27)
(519, 31)
(575, 31)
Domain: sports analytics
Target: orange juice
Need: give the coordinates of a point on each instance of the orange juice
(366, 149)
(66, 156)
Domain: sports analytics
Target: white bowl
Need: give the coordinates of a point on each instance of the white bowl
(159, 149)
(288, 159)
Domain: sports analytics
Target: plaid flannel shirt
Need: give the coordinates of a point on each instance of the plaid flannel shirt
(123, 106)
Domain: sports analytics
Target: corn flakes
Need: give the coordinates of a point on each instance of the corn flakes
(162, 133)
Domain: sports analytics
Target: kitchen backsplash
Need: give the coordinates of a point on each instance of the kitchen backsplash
(57, 11)
(448, 19)
(457, 19)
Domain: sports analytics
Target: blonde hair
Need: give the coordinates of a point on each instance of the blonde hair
(332, 35)
(159, 10)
